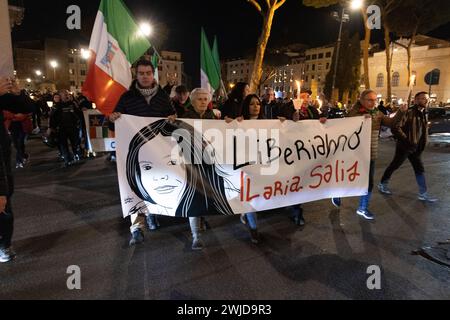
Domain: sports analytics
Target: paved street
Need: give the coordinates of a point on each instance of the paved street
(72, 217)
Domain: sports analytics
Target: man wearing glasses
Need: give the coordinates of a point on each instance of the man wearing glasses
(366, 106)
(412, 136)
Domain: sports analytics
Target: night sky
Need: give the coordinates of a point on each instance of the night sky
(177, 25)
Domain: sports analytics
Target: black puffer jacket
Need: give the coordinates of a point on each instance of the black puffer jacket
(133, 103)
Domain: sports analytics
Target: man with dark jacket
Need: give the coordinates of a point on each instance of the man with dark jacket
(67, 121)
(11, 99)
(411, 133)
(181, 101)
(144, 99)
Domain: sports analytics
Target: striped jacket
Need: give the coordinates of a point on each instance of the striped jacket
(378, 120)
(411, 131)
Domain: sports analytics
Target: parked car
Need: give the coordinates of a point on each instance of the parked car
(439, 120)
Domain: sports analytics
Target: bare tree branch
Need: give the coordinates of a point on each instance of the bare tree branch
(279, 4)
(256, 5)
(268, 4)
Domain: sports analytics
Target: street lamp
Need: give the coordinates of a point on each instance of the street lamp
(145, 29)
(54, 65)
(344, 17)
(85, 54)
(38, 73)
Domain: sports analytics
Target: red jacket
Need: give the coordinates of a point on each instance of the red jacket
(25, 119)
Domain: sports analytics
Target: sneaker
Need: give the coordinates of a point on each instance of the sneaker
(197, 244)
(299, 220)
(427, 198)
(254, 236)
(204, 225)
(384, 189)
(11, 252)
(137, 237)
(366, 214)
(152, 223)
(36, 130)
(337, 202)
(5, 256)
(19, 165)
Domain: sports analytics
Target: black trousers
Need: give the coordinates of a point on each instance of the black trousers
(6, 226)
(401, 154)
(72, 135)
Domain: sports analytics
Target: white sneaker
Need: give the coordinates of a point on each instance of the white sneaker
(5, 256)
(427, 198)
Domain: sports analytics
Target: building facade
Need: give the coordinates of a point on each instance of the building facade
(171, 69)
(317, 66)
(428, 54)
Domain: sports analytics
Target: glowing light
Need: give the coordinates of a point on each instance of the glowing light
(85, 54)
(356, 4)
(145, 29)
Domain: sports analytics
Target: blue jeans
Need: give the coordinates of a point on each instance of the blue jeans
(252, 220)
(364, 200)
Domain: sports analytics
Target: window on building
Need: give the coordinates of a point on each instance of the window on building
(307, 67)
(328, 65)
(83, 72)
(314, 56)
(380, 80)
(71, 60)
(307, 78)
(313, 77)
(319, 67)
(321, 56)
(308, 58)
(313, 67)
(72, 83)
(328, 55)
(396, 79)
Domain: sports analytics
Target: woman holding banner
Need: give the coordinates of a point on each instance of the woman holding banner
(197, 183)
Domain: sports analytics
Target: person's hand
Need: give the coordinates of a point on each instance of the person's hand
(228, 120)
(323, 120)
(404, 107)
(172, 118)
(3, 202)
(115, 116)
(368, 116)
(282, 119)
(5, 86)
(240, 119)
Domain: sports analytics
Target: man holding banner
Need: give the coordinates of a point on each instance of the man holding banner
(367, 107)
(144, 99)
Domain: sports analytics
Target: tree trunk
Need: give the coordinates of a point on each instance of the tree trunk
(262, 45)
(368, 34)
(387, 42)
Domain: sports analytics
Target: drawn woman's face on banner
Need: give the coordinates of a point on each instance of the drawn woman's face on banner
(164, 178)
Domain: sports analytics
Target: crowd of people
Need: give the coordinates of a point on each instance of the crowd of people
(145, 98)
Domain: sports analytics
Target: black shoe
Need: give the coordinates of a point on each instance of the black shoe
(254, 236)
(299, 220)
(204, 225)
(197, 245)
(137, 237)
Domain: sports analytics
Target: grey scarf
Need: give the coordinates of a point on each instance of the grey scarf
(148, 94)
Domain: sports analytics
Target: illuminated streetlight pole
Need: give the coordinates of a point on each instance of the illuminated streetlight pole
(54, 65)
(354, 5)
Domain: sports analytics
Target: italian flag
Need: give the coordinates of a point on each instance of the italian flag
(116, 43)
(210, 75)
